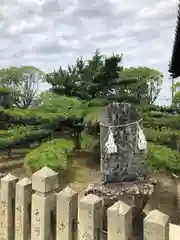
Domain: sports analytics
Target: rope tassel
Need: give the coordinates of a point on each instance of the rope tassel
(110, 144)
(141, 139)
(142, 143)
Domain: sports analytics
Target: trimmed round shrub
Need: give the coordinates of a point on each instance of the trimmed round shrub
(53, 154)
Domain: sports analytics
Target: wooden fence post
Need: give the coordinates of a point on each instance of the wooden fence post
(22, 203)
(44, 182)
(119, 221)
(90, 217)
(7, 196)
(66, 214)
(156, 226)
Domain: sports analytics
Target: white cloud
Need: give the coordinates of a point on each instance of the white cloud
(49, 33)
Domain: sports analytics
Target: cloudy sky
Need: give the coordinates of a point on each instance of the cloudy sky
(49, 33)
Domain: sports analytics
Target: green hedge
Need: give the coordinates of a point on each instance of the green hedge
(21, 135)
(54, 109)
(162, 158)
(162, 109)
(172, 122)
(166, 137)
(53, 154)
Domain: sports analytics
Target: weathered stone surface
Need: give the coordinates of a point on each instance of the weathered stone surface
(66, 214)
(156, 226)
(7, 196)
(125, 164)
(22, 214)
(115, 191)
(90, 217)
(119, 218)
(45, 180)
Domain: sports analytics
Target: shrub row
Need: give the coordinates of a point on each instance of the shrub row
(21, 135)
(172, 122)
(166, 137)
(54, 109)
(162, 158)
(162, 109)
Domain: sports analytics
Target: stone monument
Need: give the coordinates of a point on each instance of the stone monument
(123, 148)
(123, 144)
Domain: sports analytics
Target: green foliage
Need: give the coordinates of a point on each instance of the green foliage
(19, 130)
(123, 98)
(26, 116)
(39, 122)
(23, 83)
(4, 91)
(96, 78)
(176, 93)
(162, 158)
(148, 83)
(176, 100)
(101, 102)
(165, 137)
(68, 107)
(156, 114)
(53, 109)
(91, 144)
(92, 115)
(5, 97)
(20, 135)
(89, 141)
(162, 109)
(172, 122)
(53, 154)
(73, 106)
